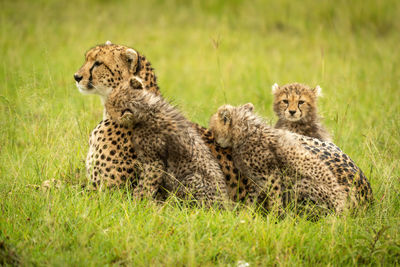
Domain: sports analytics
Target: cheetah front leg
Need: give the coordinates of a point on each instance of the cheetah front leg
(267, 190)
(207, 193)
(151, 179)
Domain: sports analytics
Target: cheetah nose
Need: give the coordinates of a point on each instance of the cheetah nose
(77, 77)
(292, 112)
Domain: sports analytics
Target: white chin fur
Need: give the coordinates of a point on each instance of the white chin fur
(83, 90)
(103, 92)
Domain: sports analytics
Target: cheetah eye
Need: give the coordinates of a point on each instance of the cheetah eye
(301, 102)
(97, 63)
(285, 101)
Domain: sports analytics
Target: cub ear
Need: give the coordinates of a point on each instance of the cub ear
(318, 91)
(224, 115)
(275, 88)
(136, 83)
(248, 107)
(131, 58)
(108, 42)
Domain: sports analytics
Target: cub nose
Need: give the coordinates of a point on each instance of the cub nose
(78, 77)
(292, 112)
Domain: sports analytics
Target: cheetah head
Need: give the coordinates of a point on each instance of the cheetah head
(222, 122)
(123, 104)
(295, 102)
(106, 67)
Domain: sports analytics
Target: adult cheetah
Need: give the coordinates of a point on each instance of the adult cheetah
(112, 157)
(281, 163)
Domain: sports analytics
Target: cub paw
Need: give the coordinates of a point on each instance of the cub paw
(126, 118)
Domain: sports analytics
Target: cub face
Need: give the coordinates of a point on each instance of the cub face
(222, 123)
(295, 102)
(105, 67)
(122, 104)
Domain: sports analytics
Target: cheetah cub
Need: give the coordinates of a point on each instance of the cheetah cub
(170, 151)
(296, 106)
(284, 166)
(237, 128)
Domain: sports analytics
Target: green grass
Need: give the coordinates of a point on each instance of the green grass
(206, 53)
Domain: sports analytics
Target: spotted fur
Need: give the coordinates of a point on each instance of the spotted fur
(170, 151)
(111, 158)
(115, 169)
(285, 167)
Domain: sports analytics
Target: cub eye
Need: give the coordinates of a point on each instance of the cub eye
(97, 63)
(285, 101)
(301, 102)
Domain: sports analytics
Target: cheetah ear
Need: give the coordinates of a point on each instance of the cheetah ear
(224, 115)
(275, 88)
(248, 107)
(136, 83)
(108, 42)
(318, 91)
(131, 57)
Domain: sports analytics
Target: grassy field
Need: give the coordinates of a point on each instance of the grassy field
(206, 53)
